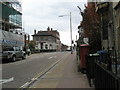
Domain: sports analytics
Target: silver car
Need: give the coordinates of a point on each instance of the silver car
(11, 53)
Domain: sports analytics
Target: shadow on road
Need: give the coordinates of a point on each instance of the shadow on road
(9, 61)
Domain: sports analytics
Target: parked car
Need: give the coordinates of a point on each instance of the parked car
(11, 53)
(28, 52)
(0, 55)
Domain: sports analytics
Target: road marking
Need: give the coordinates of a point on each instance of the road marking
(27, 83)
(6, 80)
(50, 57)
(41, 74)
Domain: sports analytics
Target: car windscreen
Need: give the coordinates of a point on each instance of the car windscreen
(8, 49)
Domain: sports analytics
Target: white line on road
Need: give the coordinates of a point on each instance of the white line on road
(50, 57)
(42, 74)
(27, 83)
(6, 80)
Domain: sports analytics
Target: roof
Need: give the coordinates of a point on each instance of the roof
(42, 33)
(47, 33)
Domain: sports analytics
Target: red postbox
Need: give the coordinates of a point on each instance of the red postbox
(84, 51)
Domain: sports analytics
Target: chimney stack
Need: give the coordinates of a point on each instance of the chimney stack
(28, 38)
(48, 29)
(34, 31)
(51, 29)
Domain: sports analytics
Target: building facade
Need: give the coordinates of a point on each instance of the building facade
(47, 40)
(11, 17)
(11, 30)
(110, 24)
(64, 47)
(11, 24)
(116, 14)
(103, 8)
(110, 31)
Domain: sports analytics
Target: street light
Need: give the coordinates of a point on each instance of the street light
(70, 29)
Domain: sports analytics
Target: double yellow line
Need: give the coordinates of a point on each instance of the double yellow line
(40, 75)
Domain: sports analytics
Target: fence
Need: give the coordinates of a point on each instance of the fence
(100, 73)
(105, 78)
(90, 64)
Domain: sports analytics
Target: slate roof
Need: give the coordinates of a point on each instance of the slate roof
(42, 33)
(47, 33)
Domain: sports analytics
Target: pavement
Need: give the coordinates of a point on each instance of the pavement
(63, 75)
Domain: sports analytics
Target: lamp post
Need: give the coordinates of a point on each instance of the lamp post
(70, 30)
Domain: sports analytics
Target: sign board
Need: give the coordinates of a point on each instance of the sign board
(11, 39)
(86, 40)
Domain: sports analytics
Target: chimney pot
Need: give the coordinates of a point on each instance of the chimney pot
(34, 31)
(48, 29)
(51, 29)
(28, 38)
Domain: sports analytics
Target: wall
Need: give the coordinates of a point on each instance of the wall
(117, 27)
(47, 40)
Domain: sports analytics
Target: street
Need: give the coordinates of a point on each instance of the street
(16, 74)
(59, 44)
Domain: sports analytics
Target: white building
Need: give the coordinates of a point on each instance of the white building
(47, 40)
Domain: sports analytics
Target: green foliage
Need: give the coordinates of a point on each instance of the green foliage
(31, 45)
(91, 26)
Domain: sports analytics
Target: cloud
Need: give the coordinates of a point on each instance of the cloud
(39, 14)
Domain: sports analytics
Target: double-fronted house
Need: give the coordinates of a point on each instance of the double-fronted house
(47, 40)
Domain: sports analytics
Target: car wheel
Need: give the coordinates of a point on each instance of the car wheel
(14, 58)
(24, 56)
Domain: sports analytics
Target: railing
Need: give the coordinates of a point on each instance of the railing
(101, 74)
(90, 64)
(105, 78)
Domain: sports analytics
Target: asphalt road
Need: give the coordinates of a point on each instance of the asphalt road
(16, 74)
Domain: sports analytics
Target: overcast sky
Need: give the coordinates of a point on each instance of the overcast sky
(39, 14)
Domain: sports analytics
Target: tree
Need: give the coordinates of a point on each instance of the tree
(31, 45)
(91, 26)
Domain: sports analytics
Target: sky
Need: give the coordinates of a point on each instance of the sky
(39, 14)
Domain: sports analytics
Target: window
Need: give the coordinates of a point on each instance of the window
(41, 38)
(118, 17)
(105, 29)
(46, 46)
(8, 49)
(17, 48)
(46, 38)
